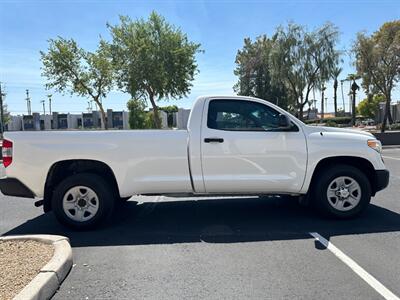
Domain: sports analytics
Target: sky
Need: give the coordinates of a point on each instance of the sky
(219, 26)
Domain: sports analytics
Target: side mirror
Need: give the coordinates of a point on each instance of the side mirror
(284, 122)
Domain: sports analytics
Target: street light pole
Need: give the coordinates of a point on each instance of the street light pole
(89, 108)
(1, 112)
(28, 102)
(44, 108)
(49, 96)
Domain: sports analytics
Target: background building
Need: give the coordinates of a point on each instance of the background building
(394, 110)
(87, 121)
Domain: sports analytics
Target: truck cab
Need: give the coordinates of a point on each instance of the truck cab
(246, 146)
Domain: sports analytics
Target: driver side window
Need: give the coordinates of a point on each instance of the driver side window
(241, 115)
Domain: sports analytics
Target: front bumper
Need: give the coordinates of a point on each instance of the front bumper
(14, 187)
(381, 179)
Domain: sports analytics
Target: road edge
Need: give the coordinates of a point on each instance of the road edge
(390, 146)
(46, 283)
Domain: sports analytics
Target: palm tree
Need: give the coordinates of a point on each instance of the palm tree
(341, 88)
(335, 74)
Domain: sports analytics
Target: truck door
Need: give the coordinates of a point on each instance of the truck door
(243, 149)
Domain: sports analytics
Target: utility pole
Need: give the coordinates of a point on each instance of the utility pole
(44, 108)
(28, 102)
(49, 96)
(1, 112)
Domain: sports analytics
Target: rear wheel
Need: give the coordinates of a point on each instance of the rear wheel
(82, 201)
(341, 191)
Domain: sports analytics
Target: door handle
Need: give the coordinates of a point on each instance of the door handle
(213, 140)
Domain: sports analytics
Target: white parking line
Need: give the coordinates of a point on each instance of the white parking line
(395, 158)
(368, 278)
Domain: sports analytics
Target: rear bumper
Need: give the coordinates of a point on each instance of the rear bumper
(381, 179)
(14, 187)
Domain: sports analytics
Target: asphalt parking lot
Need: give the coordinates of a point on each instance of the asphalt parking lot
(233, 248)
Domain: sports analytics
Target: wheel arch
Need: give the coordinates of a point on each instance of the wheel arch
(360, 163)
(62, 169)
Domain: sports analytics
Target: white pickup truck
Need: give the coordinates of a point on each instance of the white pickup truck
(233, 146)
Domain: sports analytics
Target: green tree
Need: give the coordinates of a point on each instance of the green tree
(153, 59)
(370, 105)
(304, 60)
(253, 71)
(6, 114)
(150, 120)
(378, 61)
(335, 74)
(69, 68)
(169, 109)
(137, 114)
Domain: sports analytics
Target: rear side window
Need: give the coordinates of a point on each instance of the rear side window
(241, 115)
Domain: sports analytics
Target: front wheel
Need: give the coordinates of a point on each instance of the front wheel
(82, 201)
(341, 191)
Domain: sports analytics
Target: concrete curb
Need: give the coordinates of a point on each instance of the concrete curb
(50, 277)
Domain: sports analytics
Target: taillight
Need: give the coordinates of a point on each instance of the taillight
(6, 151)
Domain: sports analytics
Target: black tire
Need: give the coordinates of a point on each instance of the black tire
(98, 185)
(121, 202)
(325, 179)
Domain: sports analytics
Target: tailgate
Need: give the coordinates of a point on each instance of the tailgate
(2, 169)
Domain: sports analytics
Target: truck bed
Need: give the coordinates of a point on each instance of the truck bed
(144, 161)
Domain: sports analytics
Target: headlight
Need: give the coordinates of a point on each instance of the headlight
(376, 145)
